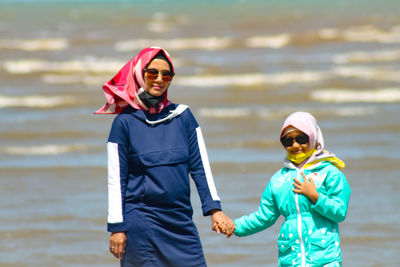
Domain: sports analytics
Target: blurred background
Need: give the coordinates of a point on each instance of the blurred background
(242, 67)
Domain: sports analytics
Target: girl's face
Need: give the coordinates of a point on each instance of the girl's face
(157, 77)
(296, 142)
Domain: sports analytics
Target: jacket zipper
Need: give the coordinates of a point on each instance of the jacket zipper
(299, 226)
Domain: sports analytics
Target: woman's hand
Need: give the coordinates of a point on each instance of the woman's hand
(222, 223)
(307, 188)
(117, 244)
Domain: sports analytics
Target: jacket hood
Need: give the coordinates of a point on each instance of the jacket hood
(316, 164)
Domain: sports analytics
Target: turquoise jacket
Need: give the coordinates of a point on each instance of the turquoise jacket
(309, 235)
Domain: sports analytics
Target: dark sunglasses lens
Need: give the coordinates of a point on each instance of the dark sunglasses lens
(152, 71)
(152, 74)
(302, 139)
(167, 76)
(287, 141)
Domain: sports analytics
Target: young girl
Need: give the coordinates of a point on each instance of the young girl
(311, 193)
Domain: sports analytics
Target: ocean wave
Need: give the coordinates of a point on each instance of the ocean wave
(251, 79)
(366, 33)
(368, 73)
(230, 113)
(34, 45)
(35, 101)
(207, 43)
(370, 56)
(88, 66)
(92, 71)
(25, 66)
(373, 96)
(269, 114)
(162, 22)
(277, 41)
(42, 150)
(225, 112)
(244, 79)
(75, 79)
(371, 34)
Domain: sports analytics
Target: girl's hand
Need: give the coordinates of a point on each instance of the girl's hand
(307, 188)
(222, 223)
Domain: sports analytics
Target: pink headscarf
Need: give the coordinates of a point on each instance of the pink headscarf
(122, 89)
(306, 123)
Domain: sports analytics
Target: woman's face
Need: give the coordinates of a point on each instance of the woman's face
(301, 145)
(157, 86)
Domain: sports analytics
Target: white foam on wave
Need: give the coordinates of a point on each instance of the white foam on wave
(244, 79)
(224, 112)
(75, 79)
(386, 95)
(35, 101)
(207, 43)
(276, 41)
(92, 71)
(371, 34)
(366, 34)
(161, 22)
(251, 79)
(25, 66)
(42, 150)
(355, 111)
(201, 81)
(368, 73)
(159, 26)
(34, 45)
(86, 67)
(370, 56)
(278, 114)
(328, 33)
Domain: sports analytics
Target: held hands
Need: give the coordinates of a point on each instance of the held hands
(222, 223)
(117, 244)
(307, 188)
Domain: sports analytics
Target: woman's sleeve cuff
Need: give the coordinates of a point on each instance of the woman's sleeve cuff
(116, 227)
(215, 205)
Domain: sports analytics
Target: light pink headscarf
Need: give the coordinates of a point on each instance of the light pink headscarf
(306, 123)
(122, 89)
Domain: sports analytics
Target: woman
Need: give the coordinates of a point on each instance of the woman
(152, 148)
(311, 193)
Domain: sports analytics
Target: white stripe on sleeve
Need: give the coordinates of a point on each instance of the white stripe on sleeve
(114, 185)
(206, 164)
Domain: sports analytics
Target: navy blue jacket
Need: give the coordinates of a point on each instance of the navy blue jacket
(150, 157)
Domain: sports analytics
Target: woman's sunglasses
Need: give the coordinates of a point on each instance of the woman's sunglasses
(301, 139)
(152, 74)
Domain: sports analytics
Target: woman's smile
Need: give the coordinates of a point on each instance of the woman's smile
(157, 86)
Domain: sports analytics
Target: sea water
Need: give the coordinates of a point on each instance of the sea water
(242, 67)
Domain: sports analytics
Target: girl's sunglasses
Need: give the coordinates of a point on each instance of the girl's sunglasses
(301, 139)
(152, 74)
